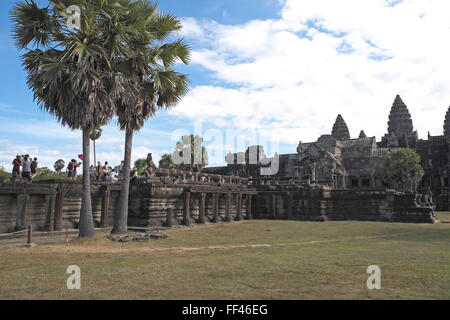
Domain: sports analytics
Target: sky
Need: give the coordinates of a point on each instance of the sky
(272, 72)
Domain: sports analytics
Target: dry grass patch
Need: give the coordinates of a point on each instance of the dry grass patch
(242, 260)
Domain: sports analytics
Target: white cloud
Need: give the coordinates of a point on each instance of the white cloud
(321, 58)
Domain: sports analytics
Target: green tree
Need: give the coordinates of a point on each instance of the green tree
(70, 70)
(154, 84)
(141, 165)
(166, 162)
(59, 165)
(94, 136)
(190, 154)
(3, 174)
(403, 170)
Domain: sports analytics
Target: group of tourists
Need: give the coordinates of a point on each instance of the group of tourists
(105, 172)
(25, 167)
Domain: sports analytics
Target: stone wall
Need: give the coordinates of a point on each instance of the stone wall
(55, 205)
(325, 204)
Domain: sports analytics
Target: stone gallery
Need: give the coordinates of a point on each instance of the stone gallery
(338, 161)
(334, 178)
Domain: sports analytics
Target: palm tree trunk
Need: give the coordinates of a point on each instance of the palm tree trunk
(121, 215)
(86, 225)
(95, 156)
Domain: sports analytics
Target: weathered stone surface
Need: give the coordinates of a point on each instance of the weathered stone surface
(148, 204)
(340, 129)
(156, 235)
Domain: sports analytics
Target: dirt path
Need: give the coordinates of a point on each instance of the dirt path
(79, 248)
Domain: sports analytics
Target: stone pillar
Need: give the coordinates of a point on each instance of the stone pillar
(255, 213)
(215, 205)
(239, 207)
(249, 207)
(21, 216)
(49, 212)
(59, 209)
(104, 217)
(169, 218)
(187, 209)
(289, 205)
(273, 206)
(201, 218)
(228, 208)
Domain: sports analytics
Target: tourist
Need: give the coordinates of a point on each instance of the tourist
(122, 163)
(105, 171)
(250, 181)
(26, 167)
(134, 174)
(75, 166)
(34, 166)
(17, 163)
(113, 176)
(99, 170)
(92, 172)
(70, 169)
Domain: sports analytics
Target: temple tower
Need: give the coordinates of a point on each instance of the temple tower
(400, 122)
(400, 127)
(447, 123)
(362, 134)
(340, 130)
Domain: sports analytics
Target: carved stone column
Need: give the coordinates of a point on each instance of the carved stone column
(228, 208)
(187, 209)
(255, 214)
(21, 216)
(249, 207)
(215, 205)
(239, 207)
(49, 212)
(169, 218)
(273, 206)
(202, 218)
(289, 205)
(104, 218)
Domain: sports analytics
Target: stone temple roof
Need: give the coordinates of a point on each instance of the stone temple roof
(340, 129)
(367, 141)
(447, 123)
(400, 122)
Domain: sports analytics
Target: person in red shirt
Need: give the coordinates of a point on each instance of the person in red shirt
(17, 163)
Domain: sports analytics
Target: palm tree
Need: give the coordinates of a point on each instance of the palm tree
(71, 70)
(95, 135)
(156, 85)
(59, 165)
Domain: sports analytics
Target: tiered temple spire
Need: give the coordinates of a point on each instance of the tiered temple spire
(447, 123)
(400, 122)
(340, 129)
(362, 134)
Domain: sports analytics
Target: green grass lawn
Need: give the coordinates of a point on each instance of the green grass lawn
(241, 260)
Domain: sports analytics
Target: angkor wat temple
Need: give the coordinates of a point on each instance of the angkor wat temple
(335, 178)
(338, 161)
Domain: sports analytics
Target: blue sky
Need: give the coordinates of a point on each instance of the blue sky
(264, 69)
